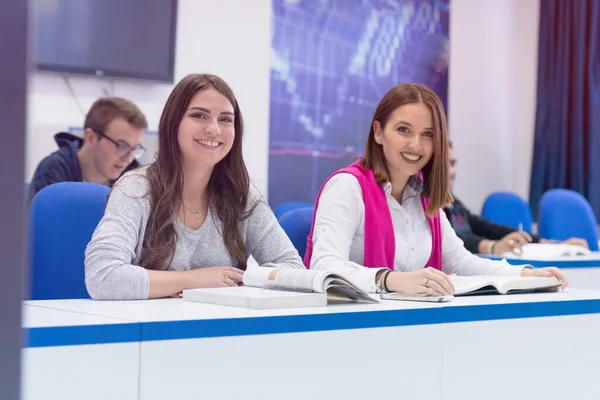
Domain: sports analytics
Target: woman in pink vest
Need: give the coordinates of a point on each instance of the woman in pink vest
(378, 222)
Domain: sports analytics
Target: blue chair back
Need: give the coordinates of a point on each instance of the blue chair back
(62, 219)
(508, 209)
(297, 224)
(565, 214)
(287, 206)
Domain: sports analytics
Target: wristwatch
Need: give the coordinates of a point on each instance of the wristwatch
(379, 289)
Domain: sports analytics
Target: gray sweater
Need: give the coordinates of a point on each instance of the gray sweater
(112, 270)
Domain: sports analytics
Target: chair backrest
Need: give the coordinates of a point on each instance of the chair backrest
(565, 214)
(508, 209)
(296, 224)
(287, 206)
(62, 219)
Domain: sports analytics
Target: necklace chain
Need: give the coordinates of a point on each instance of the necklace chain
(197, 213)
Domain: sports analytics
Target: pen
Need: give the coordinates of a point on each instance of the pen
(519, 242)
(521, 229)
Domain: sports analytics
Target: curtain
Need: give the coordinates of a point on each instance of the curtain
(567, 128)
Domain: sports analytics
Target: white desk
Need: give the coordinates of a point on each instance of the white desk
(74, 356)
(583, 272)
(492, 347)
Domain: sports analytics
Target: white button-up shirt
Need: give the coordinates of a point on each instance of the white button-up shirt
(339, 232)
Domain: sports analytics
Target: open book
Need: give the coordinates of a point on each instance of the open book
(548, 251)
(472, 285)
(481, 285)
(283, 288)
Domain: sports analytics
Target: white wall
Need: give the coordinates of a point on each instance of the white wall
(230, 38)
(492, 92)
(492, 95)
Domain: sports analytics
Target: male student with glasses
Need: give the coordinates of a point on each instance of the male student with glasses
(110, 146)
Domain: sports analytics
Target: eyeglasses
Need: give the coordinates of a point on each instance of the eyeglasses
(124, 148)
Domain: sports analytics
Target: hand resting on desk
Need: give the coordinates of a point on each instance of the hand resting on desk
(574, 241)
(215, 277)
(210, 277)
(548, 271)
(428, 280)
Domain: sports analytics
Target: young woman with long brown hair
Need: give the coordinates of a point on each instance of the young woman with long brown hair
(191, 219)
(379, 222)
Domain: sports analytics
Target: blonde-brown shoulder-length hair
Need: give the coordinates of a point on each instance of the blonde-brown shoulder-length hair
(436, 186)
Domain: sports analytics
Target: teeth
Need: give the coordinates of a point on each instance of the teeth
(411, 157)
(208, 143)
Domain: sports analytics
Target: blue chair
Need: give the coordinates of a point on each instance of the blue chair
(508, 209)
(297, 224)
(62, 219)
(565, 214)
(287, 206)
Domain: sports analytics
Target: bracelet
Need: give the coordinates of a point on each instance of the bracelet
(379, 286)
(379, 283)
(386, 274)
(492, 246)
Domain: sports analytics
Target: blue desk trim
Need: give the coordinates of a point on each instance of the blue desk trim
(197, 329)
(562, 264)
(228, 327)
(193, 329)
(82, 334)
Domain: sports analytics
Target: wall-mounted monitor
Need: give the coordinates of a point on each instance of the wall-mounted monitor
(112, 38)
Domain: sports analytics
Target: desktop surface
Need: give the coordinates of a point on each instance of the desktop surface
(169, 319)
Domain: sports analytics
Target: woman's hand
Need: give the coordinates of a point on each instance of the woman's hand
(512, 243)
(172, 283)
(574, 241)
(424, 281)
(577, 242)
(548, 271)
(212, 277)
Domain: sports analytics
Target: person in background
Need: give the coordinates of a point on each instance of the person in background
(191, 218)
(380, 223)
(483, 236)
(110, 145)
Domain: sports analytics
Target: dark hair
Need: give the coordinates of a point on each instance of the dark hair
(107, 109)
(435, 173)
(228, 187)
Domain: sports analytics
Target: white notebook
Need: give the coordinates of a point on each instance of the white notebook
(548, 251)
(283, 288)
(253, 297)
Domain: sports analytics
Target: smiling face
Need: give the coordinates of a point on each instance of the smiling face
(406, 139)
(206, 132)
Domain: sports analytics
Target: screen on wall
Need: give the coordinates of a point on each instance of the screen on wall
(331, 63)
(112, 38)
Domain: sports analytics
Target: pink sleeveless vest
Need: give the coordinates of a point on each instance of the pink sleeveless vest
(380, 242)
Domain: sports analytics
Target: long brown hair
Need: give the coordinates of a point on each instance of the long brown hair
(228, 186)
(435, 173)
